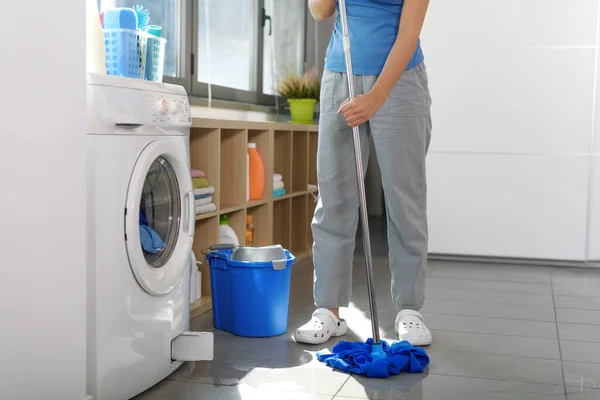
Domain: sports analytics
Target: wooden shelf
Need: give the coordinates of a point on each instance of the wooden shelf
(219, 148)
(255, 203)
(234, 150)
(229, 208)
(200, 217)
(313, 143)
(282, 216)
(200, 307)
(300, 162)
(284, 197)
(282, 158)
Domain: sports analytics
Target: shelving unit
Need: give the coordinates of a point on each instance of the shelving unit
(219, 148)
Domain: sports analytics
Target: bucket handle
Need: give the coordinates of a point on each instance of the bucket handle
(279, 265)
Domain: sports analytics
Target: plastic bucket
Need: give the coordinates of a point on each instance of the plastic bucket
(250, 299)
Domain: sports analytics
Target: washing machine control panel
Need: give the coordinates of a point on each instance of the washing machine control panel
(172, 110)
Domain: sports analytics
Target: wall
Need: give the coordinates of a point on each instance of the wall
(514, 87)
(42, 207)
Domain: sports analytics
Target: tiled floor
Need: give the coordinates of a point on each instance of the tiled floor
(501, 332)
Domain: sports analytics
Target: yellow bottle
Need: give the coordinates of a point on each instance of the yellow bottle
(249, 231)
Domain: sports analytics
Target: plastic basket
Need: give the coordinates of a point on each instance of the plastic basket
(250, 299)
(155, 58)
(125, 52)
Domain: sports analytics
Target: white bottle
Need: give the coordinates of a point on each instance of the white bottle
(95, 49)
(226, 233)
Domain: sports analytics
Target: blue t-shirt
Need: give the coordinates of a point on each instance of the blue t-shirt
(373, 28)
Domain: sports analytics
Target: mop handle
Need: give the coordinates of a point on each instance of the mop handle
(361, 182)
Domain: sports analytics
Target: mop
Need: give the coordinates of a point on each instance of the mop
(375, 358)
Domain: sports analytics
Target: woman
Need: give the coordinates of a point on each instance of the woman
(392, 105)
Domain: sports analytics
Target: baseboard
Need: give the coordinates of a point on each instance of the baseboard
(513, 261)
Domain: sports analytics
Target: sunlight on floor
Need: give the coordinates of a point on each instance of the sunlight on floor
(359, 325)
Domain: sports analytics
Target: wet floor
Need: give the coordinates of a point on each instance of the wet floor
(500, 332)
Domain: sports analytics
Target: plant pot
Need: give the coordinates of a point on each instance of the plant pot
(302, 110)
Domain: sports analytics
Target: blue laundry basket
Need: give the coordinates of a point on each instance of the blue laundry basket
(250, 299)
(125, 52)
(155, 58)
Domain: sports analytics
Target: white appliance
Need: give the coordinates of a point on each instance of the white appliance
(139, 185)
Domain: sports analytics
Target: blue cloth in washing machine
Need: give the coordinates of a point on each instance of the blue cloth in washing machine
(151, 242)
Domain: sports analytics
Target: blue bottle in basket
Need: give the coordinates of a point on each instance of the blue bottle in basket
(251, 298)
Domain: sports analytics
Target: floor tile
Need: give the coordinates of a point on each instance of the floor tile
(494, 344)
(582, 375)
(573, 316)
(484, 285)
(313, 377)
(506, 368)
(580, 351)
(490, 310)
(576, 277)
(170, 390)
(437, 387)
(489, 296)
(491, 272)
(280, 351)
(582, 303)
(495, 338)
(579, 333)
(587, 290)
(585, 394)
(493, 326)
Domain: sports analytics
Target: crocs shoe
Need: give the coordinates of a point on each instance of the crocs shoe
(410, 327)
(322, 326)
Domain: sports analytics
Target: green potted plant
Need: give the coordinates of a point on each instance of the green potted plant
(302, 93)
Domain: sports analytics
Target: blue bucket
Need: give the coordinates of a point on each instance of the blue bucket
(250, 299)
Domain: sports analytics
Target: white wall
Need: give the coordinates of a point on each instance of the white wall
(42, 206)
(514, 109)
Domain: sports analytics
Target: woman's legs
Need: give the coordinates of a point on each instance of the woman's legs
(335, 220)
(401, 134)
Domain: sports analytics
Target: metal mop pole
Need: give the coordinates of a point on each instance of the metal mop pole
(361, 182)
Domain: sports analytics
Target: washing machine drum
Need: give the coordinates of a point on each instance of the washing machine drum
(159, 219)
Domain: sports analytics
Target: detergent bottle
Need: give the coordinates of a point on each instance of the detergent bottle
(256, 171)
(226, 233)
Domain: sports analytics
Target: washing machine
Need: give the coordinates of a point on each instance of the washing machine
(141, 223)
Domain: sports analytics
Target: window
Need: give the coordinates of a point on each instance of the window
(240, 47)
(284, 44)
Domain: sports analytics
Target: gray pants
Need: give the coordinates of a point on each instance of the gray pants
(401, 131)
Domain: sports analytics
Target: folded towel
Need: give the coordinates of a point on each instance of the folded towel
(204, 191)
(277, 177)
(151, 242)
(278, 185)
(205, 209)
(279, 192)
(200, 183)
(196, 173)
(203, 202)
(203, 196)
(356, 358)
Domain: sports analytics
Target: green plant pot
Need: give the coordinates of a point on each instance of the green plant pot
(302, 110)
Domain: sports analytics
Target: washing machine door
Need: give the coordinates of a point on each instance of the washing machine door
(159, 218)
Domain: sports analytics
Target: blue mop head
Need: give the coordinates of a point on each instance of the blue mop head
(376, 360)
